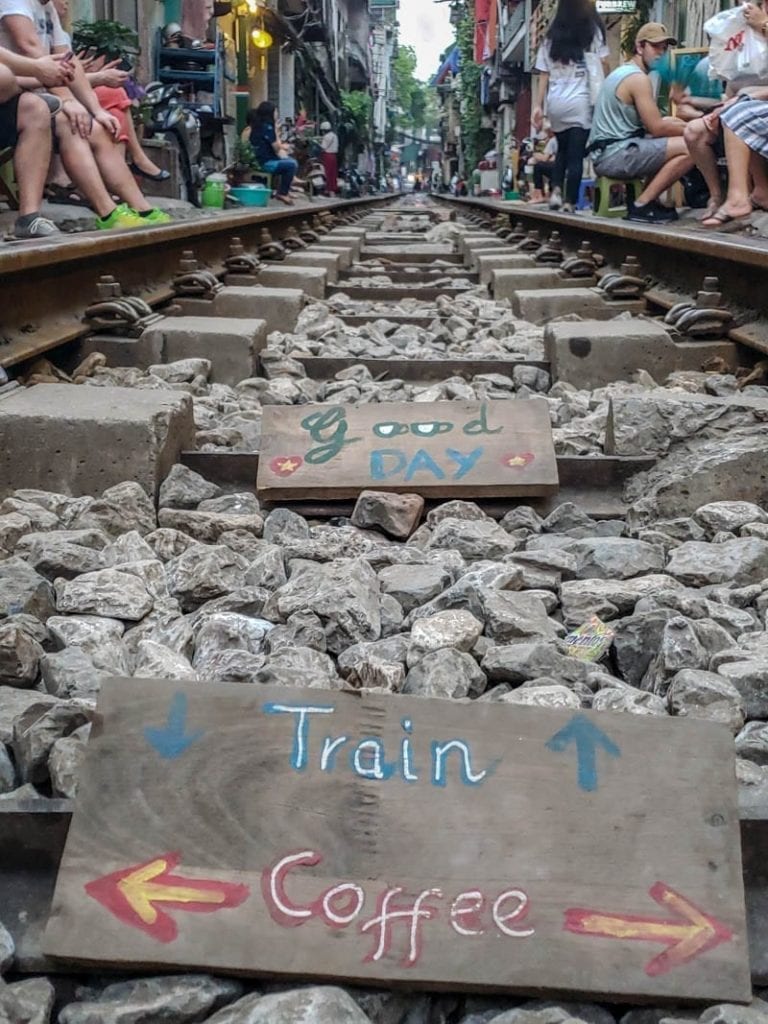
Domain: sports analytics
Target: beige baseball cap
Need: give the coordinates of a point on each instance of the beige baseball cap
(654, 32)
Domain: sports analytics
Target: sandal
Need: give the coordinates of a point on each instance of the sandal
(64, 195)
(720, 220)
(285, 199)
(161, 175)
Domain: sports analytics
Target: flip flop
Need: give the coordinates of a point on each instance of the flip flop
(161, 175)
(64, 195)
(720, 220)
(756, 206)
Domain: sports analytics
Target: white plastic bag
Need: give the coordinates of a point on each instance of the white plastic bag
(595, 76)
(735, 51)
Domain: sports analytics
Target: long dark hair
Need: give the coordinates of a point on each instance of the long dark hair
(263, 114)
(574, 26)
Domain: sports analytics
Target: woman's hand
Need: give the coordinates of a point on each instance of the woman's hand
(110, 76)
(537, 118)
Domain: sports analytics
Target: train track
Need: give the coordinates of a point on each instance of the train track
(44, 291)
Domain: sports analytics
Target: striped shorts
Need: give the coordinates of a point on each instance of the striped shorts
(748, 120)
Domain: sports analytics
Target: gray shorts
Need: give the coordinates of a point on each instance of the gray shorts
(639, 158)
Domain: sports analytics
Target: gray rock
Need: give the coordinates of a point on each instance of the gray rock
(446, 672)
(19, 656)
(474, 539)
(467, 592)
(637, 641)
(156, 661)
(203, 572)
(65, 761)
(344, 595)
(283, 525)
(636, 702)
(396, 514)
(8, 781)
(737, 561)
(7, 949)
(121, 508)
(616, 558)
(730, 1013)
(106, 592)
(588, 1012)
(64, 553)
(267, 568)
(455, 509)
(680, 647)
(511, 616)
(241, 503)
(521, 662)
(522, 518)
(392, 615)
(168, 544)
(320, 1004)
(208, 526)
(750, 679)
(728, 515)
(456, 629)
(24, 590)
(303, 629)
(607, 598)
(36, 730)
(225, 632)
(183, 488)
(14, 702)
(566, 516)
(31, 1000)
(127, 548)
(752, 743)
(299, 666)
(99, 637)
(413, 585)
(697, 694)
(171, 999)
(545, 695)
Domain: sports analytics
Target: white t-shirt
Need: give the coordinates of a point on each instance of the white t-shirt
(329, 142)
(568, 96)
(43, 17)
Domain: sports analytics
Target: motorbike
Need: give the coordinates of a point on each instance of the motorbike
(177, 122)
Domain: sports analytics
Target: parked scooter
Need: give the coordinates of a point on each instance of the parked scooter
(179, 124)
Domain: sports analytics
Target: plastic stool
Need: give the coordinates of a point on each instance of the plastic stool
(586, 194)
(258, 175)
(606, 187)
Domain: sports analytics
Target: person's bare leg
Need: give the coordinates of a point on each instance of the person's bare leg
(8, 85)
(737, 202)
(32, 153)
(679, 162)
(115, 171)
(81, 167)
(758, 169)
(701, 142)
(136, 154)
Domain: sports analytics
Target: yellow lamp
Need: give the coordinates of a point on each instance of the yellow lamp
(262, 40)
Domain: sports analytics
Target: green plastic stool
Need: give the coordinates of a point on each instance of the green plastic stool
(606, 187)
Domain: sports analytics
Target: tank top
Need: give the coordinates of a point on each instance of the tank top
(613, 119)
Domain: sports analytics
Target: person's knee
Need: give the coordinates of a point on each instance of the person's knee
(33, 113)
(292, 165)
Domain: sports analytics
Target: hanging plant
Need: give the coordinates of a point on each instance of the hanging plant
(471, 112)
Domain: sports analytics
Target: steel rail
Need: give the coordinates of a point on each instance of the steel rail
(44, 288)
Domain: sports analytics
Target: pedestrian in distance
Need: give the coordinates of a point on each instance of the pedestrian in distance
(573, 50)
(270, 150)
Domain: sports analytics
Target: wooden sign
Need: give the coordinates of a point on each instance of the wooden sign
(436, 449)
(326, 834)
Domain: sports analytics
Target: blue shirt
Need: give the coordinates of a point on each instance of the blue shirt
(263, 137)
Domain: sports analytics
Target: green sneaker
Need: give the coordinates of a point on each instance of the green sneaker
(155, 216)
(121, 217)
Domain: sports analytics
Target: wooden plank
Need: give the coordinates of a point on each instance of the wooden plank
(436, 449)
(477, 846)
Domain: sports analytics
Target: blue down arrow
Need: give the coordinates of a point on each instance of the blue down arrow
(173, 739)
(587, 738)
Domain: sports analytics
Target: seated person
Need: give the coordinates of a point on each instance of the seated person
(84, 132)
(25, 124)
(745, 125)
(704, 135)
(271, 153)
(543, 164)
(631, 139)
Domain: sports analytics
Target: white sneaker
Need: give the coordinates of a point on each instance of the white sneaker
(38, 227)
(555, 200)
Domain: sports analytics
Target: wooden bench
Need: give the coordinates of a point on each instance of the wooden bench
(8, 188)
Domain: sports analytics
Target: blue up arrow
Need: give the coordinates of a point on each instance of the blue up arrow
(173, 739)
(587, 738)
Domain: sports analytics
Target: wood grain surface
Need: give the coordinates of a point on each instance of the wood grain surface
(514, 861)
(436, 449)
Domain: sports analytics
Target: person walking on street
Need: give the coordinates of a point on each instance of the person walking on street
(575, 39)
(329, 143)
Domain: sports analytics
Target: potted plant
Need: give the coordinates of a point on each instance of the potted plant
(243, 164)
(111, 39)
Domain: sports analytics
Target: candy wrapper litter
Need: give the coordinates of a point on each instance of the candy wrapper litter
(590, 640)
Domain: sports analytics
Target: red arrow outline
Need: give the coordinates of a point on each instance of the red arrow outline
(688, 935)
(133, 899)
